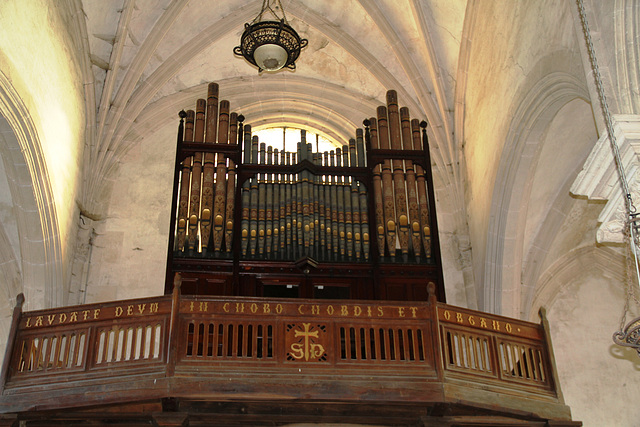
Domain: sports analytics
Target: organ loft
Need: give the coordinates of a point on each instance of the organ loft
(353, 223)
(302, 286)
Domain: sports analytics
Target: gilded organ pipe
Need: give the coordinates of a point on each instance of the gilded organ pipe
(302, 203)
(230, 202)
(207, 201)
(221, 179)
(196, 176)
(185, 180)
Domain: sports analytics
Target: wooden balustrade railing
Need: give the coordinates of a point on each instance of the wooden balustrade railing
(79, 342)
(411, 345)
(493, 348)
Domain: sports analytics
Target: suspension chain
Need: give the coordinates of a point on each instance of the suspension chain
(605, 108)
(632, 226)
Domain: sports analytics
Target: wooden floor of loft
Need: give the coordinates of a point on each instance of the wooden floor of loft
(188, 360)
(174, 412)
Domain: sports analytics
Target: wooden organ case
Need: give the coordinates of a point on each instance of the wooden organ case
(357, 222)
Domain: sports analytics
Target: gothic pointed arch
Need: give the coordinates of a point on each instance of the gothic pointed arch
(34, 206)
(536, 110)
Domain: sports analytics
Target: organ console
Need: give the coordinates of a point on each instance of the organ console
(246, 215)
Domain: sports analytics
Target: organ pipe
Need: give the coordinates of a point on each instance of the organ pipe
(303, 203)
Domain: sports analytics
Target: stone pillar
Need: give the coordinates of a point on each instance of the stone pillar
(600, 180)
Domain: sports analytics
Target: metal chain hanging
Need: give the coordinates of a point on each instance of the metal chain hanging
(266, 6)
(628, 335)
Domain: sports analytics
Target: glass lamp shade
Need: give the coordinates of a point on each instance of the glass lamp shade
(270, 57)
(270, 45)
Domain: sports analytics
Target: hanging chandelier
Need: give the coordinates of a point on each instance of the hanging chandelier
(270, 45)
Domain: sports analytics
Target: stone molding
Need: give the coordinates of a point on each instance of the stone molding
(599, 178)
(503, 256)
(37, 219)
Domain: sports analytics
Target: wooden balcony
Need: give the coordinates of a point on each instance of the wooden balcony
(188, 360)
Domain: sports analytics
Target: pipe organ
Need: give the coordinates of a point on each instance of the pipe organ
(361, 215)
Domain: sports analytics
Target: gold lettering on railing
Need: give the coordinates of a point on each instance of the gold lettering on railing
(231, 307)
(306, 309)
(478, 321)
(54, 319)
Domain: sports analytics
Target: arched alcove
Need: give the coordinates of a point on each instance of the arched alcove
(513, 187)
(33, 205)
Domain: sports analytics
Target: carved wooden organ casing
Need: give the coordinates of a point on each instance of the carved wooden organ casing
(357, 222)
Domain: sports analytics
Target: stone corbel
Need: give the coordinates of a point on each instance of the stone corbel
(600, 180)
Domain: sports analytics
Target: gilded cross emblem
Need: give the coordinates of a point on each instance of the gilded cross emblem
(306, 345)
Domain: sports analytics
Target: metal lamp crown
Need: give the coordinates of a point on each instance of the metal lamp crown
(270, 45)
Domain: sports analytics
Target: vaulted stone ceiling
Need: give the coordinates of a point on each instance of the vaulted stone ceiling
(151, 58)
(489, 77)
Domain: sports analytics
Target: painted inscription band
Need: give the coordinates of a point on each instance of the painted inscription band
(478, 321)
(94, 314)
(307, 309)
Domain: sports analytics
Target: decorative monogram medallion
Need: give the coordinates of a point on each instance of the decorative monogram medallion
(304, 341)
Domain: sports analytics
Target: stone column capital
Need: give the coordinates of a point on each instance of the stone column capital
(600, 180)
